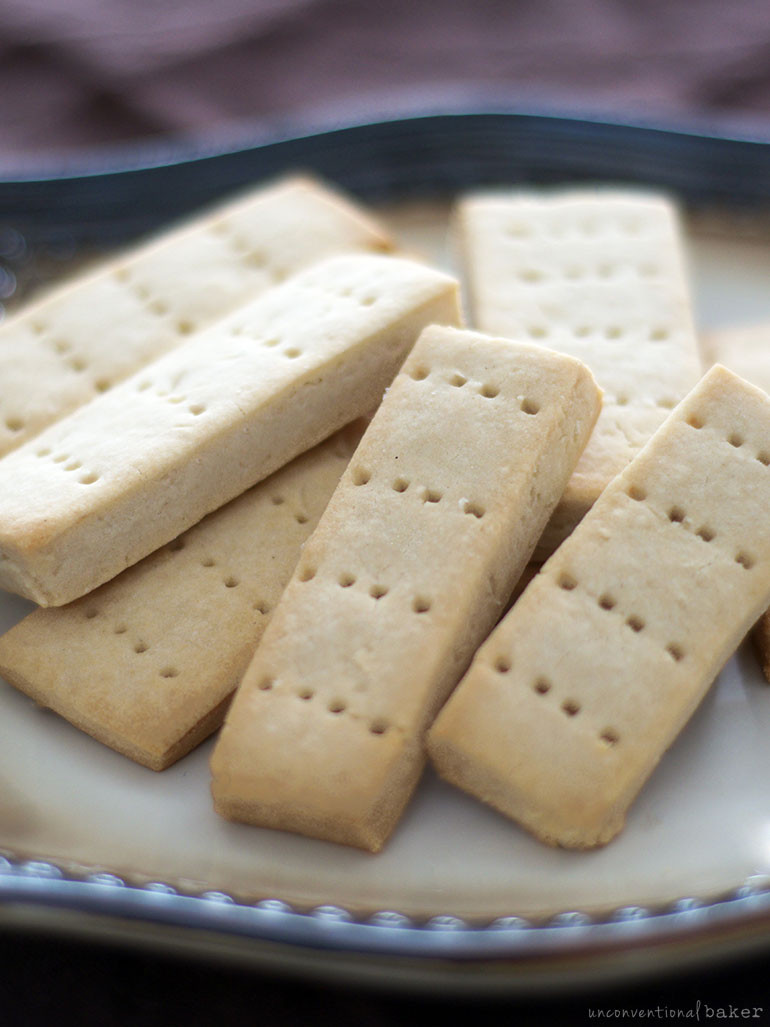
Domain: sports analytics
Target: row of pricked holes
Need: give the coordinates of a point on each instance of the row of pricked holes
(428, 495)
(570, 707)
(292, 352)
(16, 424)
(422, 373)
(244, 249)
(533, 276)
(350, 291)
(63, 348)
(582, 331)
(209, 561)
(346, 580)
(158, 307)
(378, 726)
(195, 408)
(590, 227)
(677, 515)
(299, 516)
(154, 305)
(74, 465)
(141, 646)
(367, 300)
(75, 363)
(734, 439)
(633, 621)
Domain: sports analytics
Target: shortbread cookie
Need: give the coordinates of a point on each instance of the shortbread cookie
(410, 566)
(86, 336)
(134, 468)
(570, 704)
(598, 275)
(745, 349)
(147, 663)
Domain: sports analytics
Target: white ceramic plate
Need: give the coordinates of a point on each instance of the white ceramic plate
(84, 831)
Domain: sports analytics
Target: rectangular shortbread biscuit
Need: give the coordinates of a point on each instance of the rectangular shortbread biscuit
(132, 469)
(598, 275)
(147, 663)
(577, 694)
(82, 338)
(410, 566)
(745, 350)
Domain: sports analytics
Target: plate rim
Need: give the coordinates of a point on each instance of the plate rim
(703, 160)
(186, 148)
(508, 954)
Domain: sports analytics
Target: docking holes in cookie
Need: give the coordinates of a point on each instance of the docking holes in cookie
(571, 707)
(335, 706)
(678, 516)
(676, 652)
(474, 509)
(68, 463)
(609, 736)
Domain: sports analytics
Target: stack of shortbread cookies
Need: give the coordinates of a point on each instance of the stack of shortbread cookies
(263, 457)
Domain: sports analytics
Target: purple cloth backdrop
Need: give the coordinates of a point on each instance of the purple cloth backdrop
(76, 73)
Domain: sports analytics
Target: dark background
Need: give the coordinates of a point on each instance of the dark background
(83, 73)
(50, 983)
